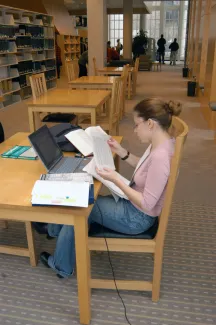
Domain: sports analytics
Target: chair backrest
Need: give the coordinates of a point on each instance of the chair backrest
(71, 71)
(95, 66)
(76, 68)
(38, 85)
(116, 101)
(179, 131)
(136, 65)
(134, 75)
(124, 74)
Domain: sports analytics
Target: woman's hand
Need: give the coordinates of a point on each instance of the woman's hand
(117, 148)
(108, 174)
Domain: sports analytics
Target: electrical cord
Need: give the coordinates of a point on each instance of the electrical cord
(113, 273)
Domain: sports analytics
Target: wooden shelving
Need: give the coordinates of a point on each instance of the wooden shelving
(27, 46)
(70, 49)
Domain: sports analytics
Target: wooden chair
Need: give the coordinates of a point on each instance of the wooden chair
(95, 67)
(110, 122)
(38, 85)
(125, 74)
(151, 241)
(132, 80)
(72, 70)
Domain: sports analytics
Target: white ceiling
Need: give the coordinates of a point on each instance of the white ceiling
(81, 4)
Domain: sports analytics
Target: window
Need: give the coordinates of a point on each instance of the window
(153, 24)
(115, 28)
(171, 28)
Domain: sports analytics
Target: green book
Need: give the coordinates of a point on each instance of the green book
(20, 152)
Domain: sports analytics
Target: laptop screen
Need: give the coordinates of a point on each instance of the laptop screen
(45, 146)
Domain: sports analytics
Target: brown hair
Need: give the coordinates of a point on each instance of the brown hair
(158, 110)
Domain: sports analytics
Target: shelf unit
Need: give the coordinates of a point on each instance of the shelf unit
(27, 46)
(70, 48)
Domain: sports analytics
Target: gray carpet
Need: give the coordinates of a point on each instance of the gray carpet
(34, 296)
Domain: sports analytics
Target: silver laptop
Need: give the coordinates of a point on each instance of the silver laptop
(51, 155)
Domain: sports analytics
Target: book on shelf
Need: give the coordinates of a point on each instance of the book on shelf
(20, 152)
(93, 141)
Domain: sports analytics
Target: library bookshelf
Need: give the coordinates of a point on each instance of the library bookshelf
(27, 46)
(70, 48)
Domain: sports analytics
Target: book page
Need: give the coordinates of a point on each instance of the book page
(102, 152)
(61, 193)
(96, 130)
(91, 169)
(81, 140)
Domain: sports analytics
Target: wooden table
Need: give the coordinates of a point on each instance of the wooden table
(17, 179)
(117, 71)
(68, 101)
(92, 82)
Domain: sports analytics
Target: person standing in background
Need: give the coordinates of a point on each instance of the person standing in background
(58, 59)
(109, 51)
(83, 60)
(174, 50)
(119, 46)
(161, 48)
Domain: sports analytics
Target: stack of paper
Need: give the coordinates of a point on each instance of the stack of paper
(61, 193)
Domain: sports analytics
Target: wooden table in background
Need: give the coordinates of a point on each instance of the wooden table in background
(92, 82)
(68, 101)
(156, 65)
(17, 179)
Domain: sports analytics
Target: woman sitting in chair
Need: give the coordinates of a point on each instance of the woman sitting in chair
(152, 119)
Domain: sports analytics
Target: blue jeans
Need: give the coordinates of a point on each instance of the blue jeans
(122, 217)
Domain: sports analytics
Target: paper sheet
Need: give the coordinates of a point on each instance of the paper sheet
(61, 193)
(91, 169)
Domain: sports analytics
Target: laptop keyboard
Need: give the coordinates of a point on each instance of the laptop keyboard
(66, 165)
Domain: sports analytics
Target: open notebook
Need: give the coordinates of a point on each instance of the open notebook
(93, 141)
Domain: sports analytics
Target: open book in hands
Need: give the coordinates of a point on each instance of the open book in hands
(115, 190)
(93, 141)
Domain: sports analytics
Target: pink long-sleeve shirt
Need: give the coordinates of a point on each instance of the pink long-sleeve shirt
(150, 178)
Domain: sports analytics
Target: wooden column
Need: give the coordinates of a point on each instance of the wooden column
(204, 52)
(189, 31)
(197, 35)
(191, 53)
(212, 97)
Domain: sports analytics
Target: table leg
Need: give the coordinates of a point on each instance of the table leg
(93, 117)
(31, 120)
(83, 269)
(31, 245)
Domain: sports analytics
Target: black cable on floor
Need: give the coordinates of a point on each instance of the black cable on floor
(113, 273)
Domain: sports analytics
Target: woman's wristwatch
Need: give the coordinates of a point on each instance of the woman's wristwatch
(126, 157)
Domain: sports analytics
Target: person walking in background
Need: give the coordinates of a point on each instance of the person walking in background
(174, 50)
(83, 60)
(58, 59)
(119, 46)
(161, 48)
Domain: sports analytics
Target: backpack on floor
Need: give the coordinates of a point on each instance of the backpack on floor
(58, 131)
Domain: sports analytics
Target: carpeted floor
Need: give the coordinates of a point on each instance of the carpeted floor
(35, 296)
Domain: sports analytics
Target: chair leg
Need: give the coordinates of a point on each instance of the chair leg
(4, 224)
(158, 261)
